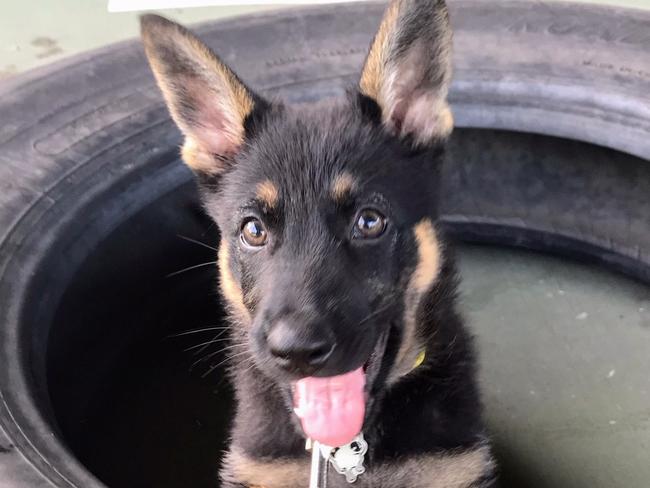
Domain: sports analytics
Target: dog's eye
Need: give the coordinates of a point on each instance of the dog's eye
(253, 233)
(370, 224)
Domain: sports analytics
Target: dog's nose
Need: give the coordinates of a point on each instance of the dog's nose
(299, 349)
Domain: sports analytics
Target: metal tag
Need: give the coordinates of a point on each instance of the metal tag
(348, 459)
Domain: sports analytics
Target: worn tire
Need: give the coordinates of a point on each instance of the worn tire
(552, 102)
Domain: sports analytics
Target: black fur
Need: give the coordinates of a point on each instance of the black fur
(314, 272)
(437, 407)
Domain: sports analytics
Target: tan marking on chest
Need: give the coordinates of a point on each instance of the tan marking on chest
(457, 470)
(274, 473)
(446, 470)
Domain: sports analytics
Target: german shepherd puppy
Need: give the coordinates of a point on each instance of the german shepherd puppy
(340, 289)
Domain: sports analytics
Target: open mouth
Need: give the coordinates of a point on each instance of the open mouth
(332, 410)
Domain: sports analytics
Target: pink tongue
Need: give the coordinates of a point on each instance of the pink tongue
(331, 409)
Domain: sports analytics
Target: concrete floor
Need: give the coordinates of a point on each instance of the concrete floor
(35, 32)
(564, 355)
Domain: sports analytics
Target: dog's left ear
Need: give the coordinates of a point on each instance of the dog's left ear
(408, 70)
(207, 101)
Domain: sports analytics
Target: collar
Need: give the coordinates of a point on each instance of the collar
(419, 359)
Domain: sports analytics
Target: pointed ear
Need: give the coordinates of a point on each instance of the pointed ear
(408, 70)
(207, 101)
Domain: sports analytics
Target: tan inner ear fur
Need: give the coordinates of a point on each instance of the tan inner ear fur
(231, 290)
(422, 279)
(197, 158)
(427, 114)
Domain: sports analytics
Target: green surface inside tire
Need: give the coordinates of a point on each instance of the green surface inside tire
(565, 357)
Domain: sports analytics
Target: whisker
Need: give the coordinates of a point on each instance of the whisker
(250, 368)
(190, 268)
(214, 353)
(205, 344)
(214, 339)
(189, 239)
(212, 368)
(196, 331)
(372, 315)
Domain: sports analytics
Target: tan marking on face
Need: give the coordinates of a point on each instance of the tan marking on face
(268, 193)
(276, 473)
(424, 276)
(456, 470)
(428, 265)
(373, 74)
(342, 186)
(230, 289)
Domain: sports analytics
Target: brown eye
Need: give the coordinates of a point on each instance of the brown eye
(370, 224)
(253, 233)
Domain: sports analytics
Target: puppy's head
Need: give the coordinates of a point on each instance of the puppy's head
(327, 215)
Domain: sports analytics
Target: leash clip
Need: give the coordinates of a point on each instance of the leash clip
(348, 459)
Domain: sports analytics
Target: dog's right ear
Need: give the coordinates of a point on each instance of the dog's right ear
(207, 101)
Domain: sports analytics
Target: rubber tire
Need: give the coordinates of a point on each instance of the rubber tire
(87, 142)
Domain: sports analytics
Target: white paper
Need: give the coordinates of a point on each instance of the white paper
(140, 5)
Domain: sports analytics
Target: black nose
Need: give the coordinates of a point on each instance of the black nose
(299, 348)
